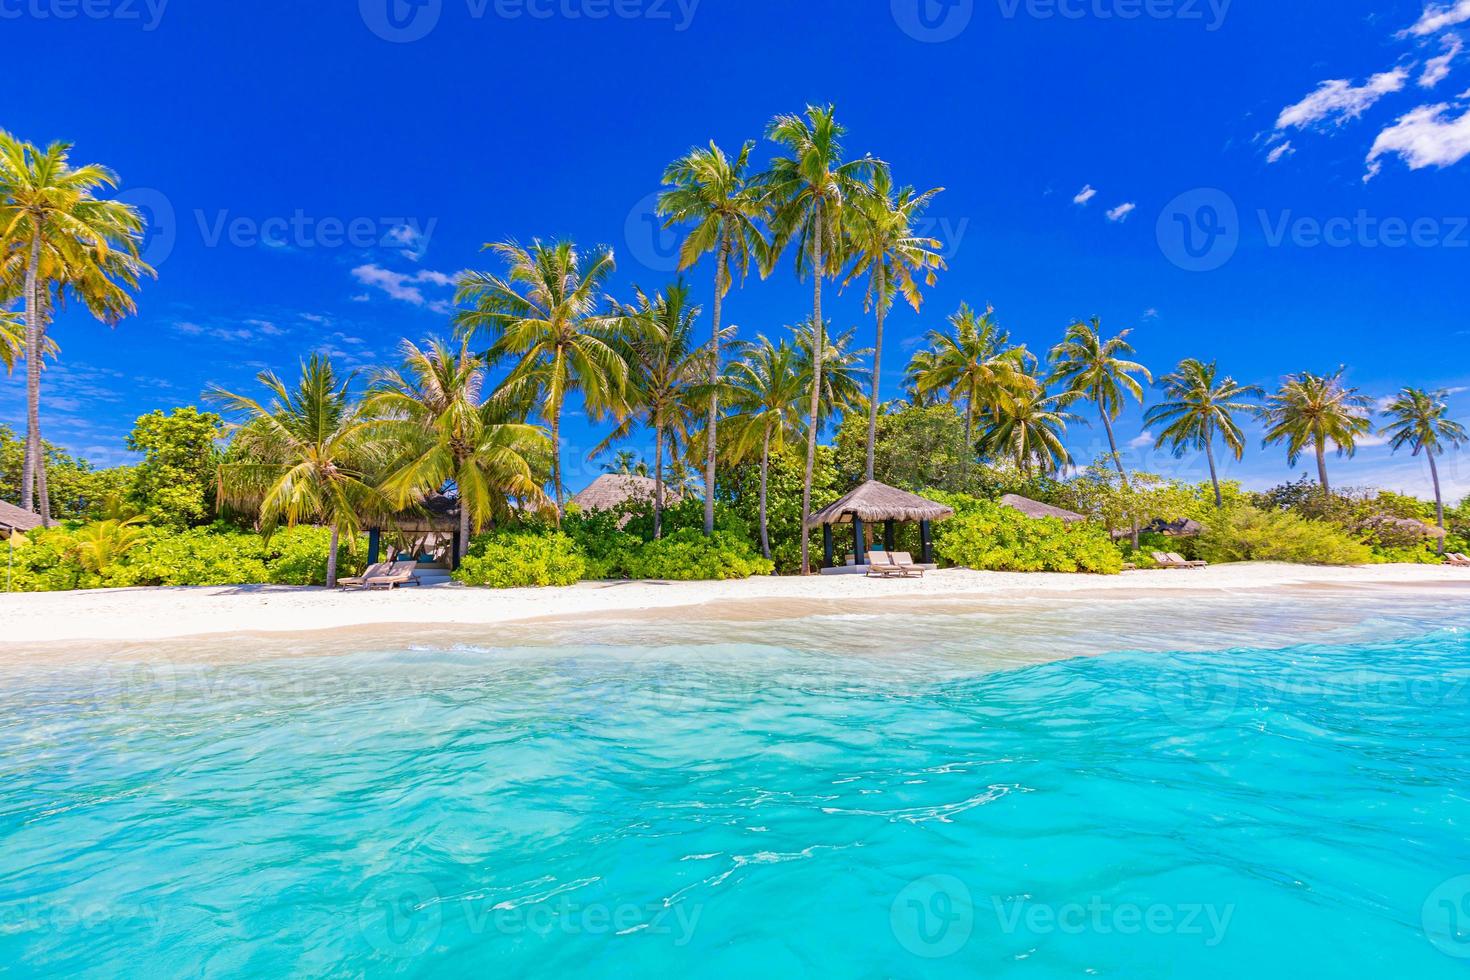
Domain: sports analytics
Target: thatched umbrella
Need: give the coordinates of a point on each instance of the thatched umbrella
(873, 502)
(1036, 509)
(613, 490)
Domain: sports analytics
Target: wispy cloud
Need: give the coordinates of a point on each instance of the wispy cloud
(405, 288)
(1429, 136)
(1280, 152)
(1437, 69)
(1339, 100)
(1437, 17)
(1086, 194)
(1122, 211)
(1142, 441)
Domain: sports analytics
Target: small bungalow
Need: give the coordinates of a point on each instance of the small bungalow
(868, 506)
(13, 520)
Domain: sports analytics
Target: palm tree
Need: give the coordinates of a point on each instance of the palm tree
(668, 376)
(809, 191)
(433, 413)
(1030, 428)
(973, 362)
(13, 341)
(766, 387)
(888, 252)
(1313, 410)
(54, 228)
(713, 193)
(1418, 419)
(543, 312)
(841, 372)
(1200, 405)
(303, 455)
(626, 463)
(923, 362)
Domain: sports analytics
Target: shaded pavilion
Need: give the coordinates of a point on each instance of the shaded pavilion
(873, 504)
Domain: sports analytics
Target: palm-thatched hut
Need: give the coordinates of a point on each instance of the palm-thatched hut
(13, 519)
(613, 490)
(1036, 509)
(870, 504)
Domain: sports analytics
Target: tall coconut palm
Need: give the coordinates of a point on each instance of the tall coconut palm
(303, 455)
(543, 313)
(1419, 419)
(767, 385)
(668, 376)
(435, 417)
(54, 226)
(809, 190)
(1030, 428)
(887, 253)
(841, 378)
(975, 363)
(626, 463)
(713, 192)
(919, 366)
(1311, 410)
(1201, 405)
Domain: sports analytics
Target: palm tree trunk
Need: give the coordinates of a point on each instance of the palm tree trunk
(765, 473)
(969, 438)
(1322, 469)
(332, 559)
(819, 348)
(556, 455)
(877, 366)
(33, 453)
(722, 261)
(1438, 498)
(463, 545)
(1118, 462)
(658, 484)
(1214, 480)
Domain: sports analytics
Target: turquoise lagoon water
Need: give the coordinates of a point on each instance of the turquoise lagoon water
(1213, 788)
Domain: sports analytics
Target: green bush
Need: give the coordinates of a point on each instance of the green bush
(514, 559)
(986, 535)
(687, 555)
(1244, 533)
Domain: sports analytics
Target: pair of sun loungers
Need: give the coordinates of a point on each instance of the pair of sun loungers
(383, 575)
(893, 564)
(1457, 559)
(1170, 559)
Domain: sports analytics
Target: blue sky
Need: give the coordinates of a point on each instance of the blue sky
(1279, 186)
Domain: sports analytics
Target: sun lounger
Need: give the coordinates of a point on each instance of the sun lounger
(373, 571)
(893, 564)
(401, 573)
(1172, 560)
(1457, 559)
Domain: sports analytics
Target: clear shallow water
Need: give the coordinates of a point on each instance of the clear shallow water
(894, 796)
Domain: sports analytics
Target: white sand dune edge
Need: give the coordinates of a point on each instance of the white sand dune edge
(148, 614)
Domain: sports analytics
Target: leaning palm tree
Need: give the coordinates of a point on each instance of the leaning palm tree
(975, 363)
(543, 313)
(1201, 405)
(1311, 410)
(766, 387)
(1030, 429)
(888, 253)
(303, 455)
(54, 227)
(713, 192)
(433, 414)
(668, 377)
(809, 191)
(1418, 419)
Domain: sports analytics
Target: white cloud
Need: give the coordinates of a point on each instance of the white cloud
(1425, 137)
(1150, 314)
(1339, 100)
(414, 242)
(403, 287)
(1122, 211)
(1437, 17)
(1087, 193)
(266, 327)
(1437, 70)
(1143, 440)
(1280, 152)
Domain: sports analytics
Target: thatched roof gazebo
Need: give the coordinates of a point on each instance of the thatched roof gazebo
(874, 503)
(1182, 528)
(13, 518)
(613, 490)
(1036, 509)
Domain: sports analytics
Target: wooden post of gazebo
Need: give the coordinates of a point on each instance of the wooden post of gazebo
(375, 545)
(830, 558)
(926, 543)
(859, 542)
(888, 536)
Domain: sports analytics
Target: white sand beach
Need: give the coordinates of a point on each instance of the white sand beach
(131, 615)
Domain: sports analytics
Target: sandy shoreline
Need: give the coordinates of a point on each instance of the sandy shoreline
(132, 615)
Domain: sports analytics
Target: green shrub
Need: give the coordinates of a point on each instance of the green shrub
(1246, 534)
(986, 535)
(514, 559)
(687, 555)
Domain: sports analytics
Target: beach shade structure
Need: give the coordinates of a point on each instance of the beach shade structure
(426, 525)
(611, 491)
(14, 522)
(1182, 528)
(1036, 509)
(874, 503)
